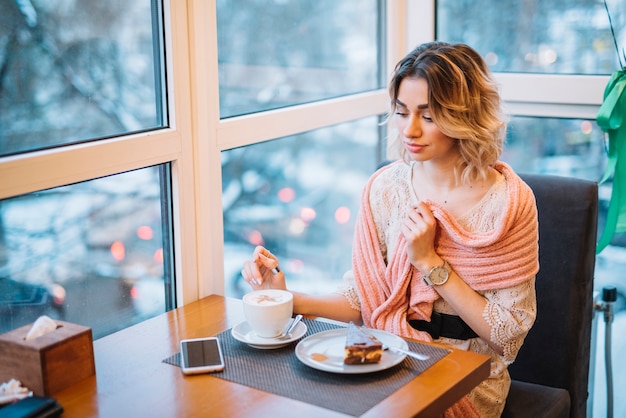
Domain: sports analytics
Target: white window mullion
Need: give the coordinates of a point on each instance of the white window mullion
(183, 175)
(205, 154)
(420, 16)
(249, 129)
(34, 171)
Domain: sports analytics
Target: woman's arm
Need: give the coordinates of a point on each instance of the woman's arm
(469, 305)
(331, 306)
(511, 313)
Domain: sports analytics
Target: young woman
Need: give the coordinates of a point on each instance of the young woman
(445, 235)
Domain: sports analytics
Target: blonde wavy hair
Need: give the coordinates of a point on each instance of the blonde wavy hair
(463, 100)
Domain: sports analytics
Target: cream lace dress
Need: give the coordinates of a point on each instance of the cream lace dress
(511, 311)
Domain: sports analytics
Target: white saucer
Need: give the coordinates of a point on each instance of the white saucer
(242, 332)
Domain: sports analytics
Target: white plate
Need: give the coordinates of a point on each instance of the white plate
(325, 351)
(242, 332)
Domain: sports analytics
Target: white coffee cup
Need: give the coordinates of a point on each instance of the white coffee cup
(268, 311)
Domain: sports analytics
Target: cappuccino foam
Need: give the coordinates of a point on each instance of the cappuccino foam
(265, 298)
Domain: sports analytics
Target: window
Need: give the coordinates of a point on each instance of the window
(86, 210)
(275, 54)
(77, 71)
(90, 253)
(567, 37)
(565, 147)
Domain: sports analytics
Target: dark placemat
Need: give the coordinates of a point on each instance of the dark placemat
(280, 372)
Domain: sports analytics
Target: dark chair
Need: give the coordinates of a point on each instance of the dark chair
(550, 374)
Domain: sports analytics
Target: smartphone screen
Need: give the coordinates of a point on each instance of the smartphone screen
(201, 355)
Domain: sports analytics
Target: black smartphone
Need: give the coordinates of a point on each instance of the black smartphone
(201, 355)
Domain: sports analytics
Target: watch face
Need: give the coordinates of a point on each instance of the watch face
(439, 276)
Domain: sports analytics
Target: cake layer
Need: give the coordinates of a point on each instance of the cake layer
(361, 348)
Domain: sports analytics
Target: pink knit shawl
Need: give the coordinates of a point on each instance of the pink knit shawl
(503, 257)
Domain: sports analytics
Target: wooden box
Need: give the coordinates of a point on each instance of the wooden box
(49, 363)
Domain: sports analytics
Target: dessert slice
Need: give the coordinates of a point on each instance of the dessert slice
(361, 348)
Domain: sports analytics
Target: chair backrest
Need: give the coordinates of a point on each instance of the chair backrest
(557, 349)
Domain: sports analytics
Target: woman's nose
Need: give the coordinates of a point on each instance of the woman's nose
(413, 128)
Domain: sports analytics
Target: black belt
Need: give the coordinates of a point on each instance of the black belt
(444, 325)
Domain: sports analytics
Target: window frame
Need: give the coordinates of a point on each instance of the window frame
(196, 137)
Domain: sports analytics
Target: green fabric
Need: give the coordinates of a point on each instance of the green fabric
(611, 119)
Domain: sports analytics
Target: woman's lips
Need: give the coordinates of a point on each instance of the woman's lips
(414, 148)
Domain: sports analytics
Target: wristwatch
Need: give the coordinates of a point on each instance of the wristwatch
(438, 275)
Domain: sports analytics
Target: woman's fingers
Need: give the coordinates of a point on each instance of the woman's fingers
(262, 270)
(251, 274)
(419, 229)
(424, 212)
(266, 258)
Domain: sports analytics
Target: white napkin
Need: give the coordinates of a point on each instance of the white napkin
(43, 325)
(13, 390)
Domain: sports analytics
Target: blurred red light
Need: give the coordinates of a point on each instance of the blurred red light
(58, 294)
(158, 256)
(286, 194)
(307, 214)
(342, 215)
(255, 238)
(296, 266)
(134, 292)
(145, 233)
(118, 251)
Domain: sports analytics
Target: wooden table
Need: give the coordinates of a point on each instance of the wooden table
(132, 380)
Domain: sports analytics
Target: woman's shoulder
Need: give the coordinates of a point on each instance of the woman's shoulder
(515, 184)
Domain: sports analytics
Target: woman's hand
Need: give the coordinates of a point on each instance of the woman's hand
(419, 230)
(263, 271)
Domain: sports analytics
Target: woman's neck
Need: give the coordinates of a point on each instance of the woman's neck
(442, 177)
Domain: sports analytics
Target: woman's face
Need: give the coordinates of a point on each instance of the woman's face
(421, 138)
